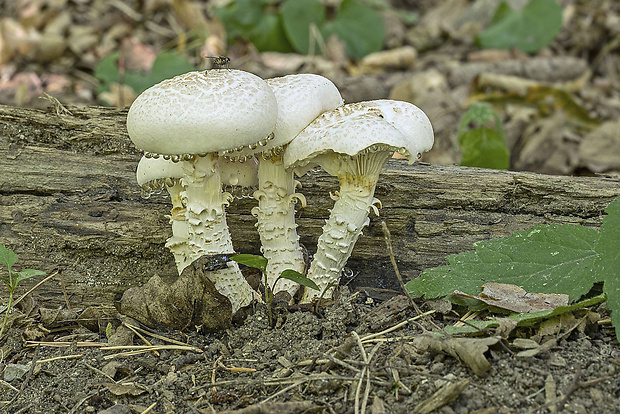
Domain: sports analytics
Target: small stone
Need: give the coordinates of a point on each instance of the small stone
(15, 371)
(437, 368)
(597, 396)
(557, 361)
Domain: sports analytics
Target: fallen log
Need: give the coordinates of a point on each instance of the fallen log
(69, 200)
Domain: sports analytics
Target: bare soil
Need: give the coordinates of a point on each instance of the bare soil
(313, 362)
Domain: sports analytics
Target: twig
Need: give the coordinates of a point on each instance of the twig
(82, 401)
(135, 331)
(283, 381)
(397, 326)
(34, 287)
(141, 349)
(282, 391)
(64, 290)
(63, 344)
(154, 335)
(24, 382)
(149, 408)
(98, 371)
(388, 241)
(6, 384)
(60, 357)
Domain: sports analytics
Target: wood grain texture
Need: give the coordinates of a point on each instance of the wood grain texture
(68, 198)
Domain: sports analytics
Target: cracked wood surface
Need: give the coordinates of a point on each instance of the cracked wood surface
(69, 199)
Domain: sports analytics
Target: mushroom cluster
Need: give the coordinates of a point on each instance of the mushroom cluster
(207, 132)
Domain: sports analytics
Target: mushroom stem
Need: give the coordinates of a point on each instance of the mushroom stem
(276, 226)
(208, 233)
(358, 178)
(178, 242)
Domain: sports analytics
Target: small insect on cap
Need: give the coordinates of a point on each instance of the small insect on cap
(202, 112)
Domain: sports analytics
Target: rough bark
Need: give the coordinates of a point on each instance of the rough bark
(69, 199)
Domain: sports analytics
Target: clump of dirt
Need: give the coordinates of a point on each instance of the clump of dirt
(351, 356)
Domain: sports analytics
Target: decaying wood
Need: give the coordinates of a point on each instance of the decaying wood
(68, 198)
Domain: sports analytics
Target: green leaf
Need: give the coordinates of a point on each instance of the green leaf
(240, 17)
(166, 65)
(7, 256)
(269, 35)
(608, 263)
(251, 260)
(483, 146)
(297, 277)
(529, 30)
(359, 27)
(27, 274)
(544, 259)
(297, 16)
(523, 319)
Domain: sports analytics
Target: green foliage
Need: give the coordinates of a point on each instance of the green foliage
(522, 319)
(289, 28)
(607, 265)
(528, 30)
(258, 21)
(298, 278)
(251, 260)
(483, 146)
(8, 258)
(260, 263)
(545, 259)
(166, 65)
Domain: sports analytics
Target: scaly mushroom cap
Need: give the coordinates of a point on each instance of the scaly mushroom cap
(301, 98)
(364, 126)
(202, 112)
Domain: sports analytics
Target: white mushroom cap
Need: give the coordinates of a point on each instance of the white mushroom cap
(202, 112)
(232, 173)
(301, 98)
(353, 128)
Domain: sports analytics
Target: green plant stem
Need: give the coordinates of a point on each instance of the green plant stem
(8, 307)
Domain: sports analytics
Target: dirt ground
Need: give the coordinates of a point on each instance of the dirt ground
(357, 354)
(315, 363)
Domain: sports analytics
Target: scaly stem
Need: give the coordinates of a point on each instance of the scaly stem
(344, 226)
(276, 226)
(358, 176)
(207, 230)
(178, 243)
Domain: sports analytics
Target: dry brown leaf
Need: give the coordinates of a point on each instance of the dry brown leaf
(469, 350)
(444, 395)
(600, 149)
(516, 299)
(120, 389)
(378, 62)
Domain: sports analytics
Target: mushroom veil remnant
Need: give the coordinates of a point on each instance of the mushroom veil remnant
(157, 174)
(353, 142)
(301, 98)
(189, 119)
